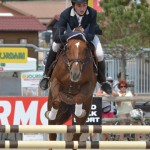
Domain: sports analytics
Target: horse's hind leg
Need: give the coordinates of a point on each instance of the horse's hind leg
(79, 121)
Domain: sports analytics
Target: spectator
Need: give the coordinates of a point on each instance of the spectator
(108, 108)
(116, 82)
(124, 107)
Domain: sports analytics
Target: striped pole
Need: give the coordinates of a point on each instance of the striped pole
(75, 129)
(76, 144)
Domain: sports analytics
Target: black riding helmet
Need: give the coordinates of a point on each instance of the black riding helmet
(78, 1)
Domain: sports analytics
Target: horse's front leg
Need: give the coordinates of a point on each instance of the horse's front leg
(79, 111)
(81, 121)
(79, 99)
(55, 86)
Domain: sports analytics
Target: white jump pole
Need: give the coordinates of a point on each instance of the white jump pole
(76, 144)
(75, 129)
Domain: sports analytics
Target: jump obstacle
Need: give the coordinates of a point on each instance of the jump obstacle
(75, 129)
(76, 144)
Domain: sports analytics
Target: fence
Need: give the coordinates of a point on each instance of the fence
(137, 69)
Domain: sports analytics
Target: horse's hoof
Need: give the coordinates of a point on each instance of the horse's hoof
(83, 114)
(47, 115)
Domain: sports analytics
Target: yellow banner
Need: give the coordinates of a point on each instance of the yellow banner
(90, 3)
(13, 55)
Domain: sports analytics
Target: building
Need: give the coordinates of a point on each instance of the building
(20, 30)
(44, 11)
(17, 27)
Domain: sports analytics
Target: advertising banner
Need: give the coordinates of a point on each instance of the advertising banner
(95, 116)
(30, 83)
(31, 111)
(13, 55)
(23, 110)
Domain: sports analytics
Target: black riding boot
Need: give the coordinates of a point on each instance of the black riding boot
(50, 59)
(44, 83)
(102, 79)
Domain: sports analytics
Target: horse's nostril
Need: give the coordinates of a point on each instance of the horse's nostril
(75, 77)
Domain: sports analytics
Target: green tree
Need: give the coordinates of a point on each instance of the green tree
(126, 28)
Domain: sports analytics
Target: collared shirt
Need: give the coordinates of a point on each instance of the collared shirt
(73, 13)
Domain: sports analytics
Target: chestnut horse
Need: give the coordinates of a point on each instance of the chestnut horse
(72, 84)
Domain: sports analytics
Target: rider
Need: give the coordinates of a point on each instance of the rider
(79, 14)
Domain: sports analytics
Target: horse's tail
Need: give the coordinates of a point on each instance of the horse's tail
(66, 111)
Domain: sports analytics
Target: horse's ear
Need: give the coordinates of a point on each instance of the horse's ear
(68, 29)
(86, 30)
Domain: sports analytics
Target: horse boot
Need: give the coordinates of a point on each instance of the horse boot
(44, 83)
(102, 79)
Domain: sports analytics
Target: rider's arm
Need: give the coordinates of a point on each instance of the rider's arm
(94, 27)
(90, 35)
(60, 37)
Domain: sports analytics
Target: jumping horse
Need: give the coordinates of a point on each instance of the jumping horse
(72, 84)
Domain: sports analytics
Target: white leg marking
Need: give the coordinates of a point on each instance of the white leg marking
(78, 109)
(53, 113)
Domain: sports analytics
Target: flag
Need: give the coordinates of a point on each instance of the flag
(95, 4)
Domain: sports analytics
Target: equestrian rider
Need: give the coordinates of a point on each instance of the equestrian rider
(79, 14)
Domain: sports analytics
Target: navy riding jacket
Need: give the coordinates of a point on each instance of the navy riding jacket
(68, 17)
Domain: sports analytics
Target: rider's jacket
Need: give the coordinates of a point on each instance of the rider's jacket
(68, 16)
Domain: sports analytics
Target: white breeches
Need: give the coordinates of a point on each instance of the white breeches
(55, 46)
(99, 50)
(96, 42)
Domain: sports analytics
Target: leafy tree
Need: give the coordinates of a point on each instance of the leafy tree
(126, 28)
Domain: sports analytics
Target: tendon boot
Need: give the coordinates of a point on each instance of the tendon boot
(44, 83)
(102, 79)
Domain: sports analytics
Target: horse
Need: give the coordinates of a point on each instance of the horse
(73, 81)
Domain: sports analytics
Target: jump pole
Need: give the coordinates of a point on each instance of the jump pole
(76, 144)
(75, 129)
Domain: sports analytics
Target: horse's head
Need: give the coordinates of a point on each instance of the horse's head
(76, 49)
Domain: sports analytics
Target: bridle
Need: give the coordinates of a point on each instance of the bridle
(69, 62)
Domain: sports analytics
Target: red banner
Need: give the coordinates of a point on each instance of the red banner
(23, 110)
(31, 111)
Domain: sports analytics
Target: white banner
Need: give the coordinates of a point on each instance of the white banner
(30, 83)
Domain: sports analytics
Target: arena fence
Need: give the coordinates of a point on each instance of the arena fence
(74, 129)
(76, 144)
(134, 98)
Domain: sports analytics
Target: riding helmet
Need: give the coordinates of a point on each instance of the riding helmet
(78, 1)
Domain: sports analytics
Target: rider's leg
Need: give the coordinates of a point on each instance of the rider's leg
(51, 57)
(101, 65)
